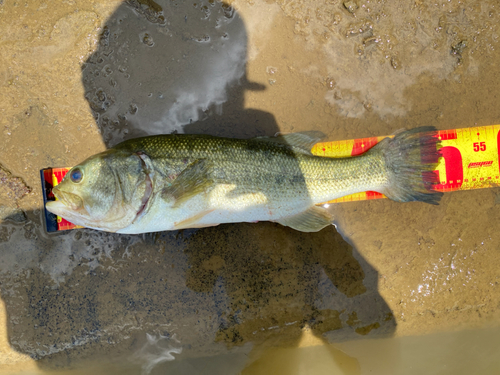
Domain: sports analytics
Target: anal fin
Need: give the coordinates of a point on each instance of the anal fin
(311, 220)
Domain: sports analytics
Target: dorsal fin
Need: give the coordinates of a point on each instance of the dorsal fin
(302, 141)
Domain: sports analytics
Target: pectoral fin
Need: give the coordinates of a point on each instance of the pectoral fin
(193, 180)
(312, 220)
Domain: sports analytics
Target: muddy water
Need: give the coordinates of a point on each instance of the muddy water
(77, 77)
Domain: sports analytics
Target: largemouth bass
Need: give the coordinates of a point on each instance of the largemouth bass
(171, 182)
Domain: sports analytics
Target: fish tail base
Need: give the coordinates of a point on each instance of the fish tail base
(411, 157)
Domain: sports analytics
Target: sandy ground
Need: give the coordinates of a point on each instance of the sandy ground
(77, 77)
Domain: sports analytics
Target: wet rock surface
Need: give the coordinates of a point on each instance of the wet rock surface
(11, 190)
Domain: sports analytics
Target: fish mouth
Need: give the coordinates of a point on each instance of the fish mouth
(69, 200)
(56, 207)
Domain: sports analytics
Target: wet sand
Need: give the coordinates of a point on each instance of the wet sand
(396, 279)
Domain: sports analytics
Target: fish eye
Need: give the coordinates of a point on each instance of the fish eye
(76, 175)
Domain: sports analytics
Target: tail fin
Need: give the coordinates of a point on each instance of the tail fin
(410, 158)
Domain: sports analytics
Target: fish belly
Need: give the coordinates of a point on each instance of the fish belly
(217, 207)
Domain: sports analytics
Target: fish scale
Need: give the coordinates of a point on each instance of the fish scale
(274, 169)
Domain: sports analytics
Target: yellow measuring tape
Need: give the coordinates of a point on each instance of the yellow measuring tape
(470, 160)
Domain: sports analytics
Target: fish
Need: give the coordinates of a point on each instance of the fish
(180, 181)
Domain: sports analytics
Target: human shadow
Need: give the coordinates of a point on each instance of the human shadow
(174, 66)
(279, 280)
(83, 296)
